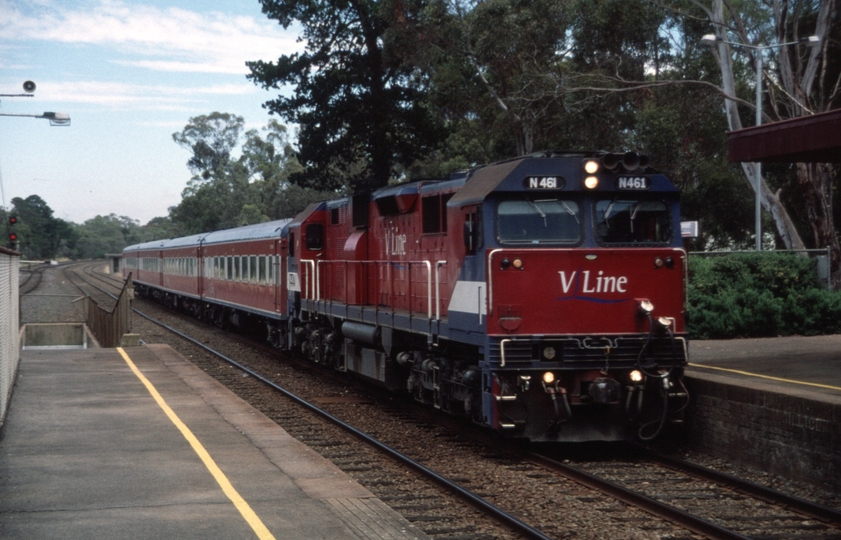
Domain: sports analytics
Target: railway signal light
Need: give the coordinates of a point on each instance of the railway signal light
(13, 236)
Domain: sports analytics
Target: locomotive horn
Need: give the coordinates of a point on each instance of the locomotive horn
(644, 162)
(610, 161)
(630, 161)
(29, 87)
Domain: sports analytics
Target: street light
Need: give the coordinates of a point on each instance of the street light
(55, 118)
(712, 39)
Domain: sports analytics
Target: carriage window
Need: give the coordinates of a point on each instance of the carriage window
(552, 221)
(252, 268)
(629, 221)
(262, 267)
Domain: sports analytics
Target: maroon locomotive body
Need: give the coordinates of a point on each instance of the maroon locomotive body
(542, 297)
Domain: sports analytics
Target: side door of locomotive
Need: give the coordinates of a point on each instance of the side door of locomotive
(279, 264)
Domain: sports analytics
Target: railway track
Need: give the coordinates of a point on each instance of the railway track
(703, 500)
(31, 277)
(592, 499)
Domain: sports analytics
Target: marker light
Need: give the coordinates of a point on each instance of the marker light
(591, 167)
(591, 182)
(517, 263)
(549, 353)
(636, 376)
(548, 377)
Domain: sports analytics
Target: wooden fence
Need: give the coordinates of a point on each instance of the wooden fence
(109, 327)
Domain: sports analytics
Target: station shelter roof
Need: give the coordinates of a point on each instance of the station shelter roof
(806, 139)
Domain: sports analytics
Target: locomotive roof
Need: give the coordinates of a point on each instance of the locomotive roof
(509, 175)
(483, 181)
(249, 232)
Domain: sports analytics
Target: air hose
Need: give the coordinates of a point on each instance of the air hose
(664, 377)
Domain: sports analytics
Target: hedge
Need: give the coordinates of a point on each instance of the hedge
(758, 295)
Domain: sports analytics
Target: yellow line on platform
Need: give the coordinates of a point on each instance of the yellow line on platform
(250, 516)
(764, 376)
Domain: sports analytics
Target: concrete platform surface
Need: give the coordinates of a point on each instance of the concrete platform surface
(87, 452)
(810, 364)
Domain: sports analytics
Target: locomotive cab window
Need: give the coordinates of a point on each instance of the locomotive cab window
(434, 209)
(315, 236)
(551, 221)
(632, 221)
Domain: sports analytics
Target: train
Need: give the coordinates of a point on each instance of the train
(542, 297)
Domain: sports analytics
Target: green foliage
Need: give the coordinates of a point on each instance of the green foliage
(356, 99)
(759, 295)
(41, 235)
(210, 138)
(229, 192)
(103, 235)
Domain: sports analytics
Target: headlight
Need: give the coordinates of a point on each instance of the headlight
(591, 182)
(636, 376)
(548, 377)
(549, 353)
(591, 167)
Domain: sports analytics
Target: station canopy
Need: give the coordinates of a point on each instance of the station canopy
(807, 139)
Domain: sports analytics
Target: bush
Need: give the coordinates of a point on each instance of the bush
(758, 295)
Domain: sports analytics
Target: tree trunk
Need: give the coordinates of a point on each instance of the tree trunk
(772, 204)
(769, 200)
(816, 181)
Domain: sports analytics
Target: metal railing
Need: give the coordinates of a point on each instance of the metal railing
(109, 327)
(414, 286)
(9, 326)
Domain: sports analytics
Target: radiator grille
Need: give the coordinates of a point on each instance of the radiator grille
(590, 352)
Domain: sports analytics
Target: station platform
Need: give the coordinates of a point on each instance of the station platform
(772, 403)
(140, 443)
(809, 364)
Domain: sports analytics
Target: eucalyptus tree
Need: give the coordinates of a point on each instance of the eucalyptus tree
(801, 81)
(541, 73)
(211, 138)
(239, 179)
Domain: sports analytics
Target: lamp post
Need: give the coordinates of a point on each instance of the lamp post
(55, 118)
(712, 39)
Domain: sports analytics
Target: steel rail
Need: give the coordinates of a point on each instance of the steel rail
(465, 494)
(616, 491)
(638, 500)
(803, 506)
(670, 513)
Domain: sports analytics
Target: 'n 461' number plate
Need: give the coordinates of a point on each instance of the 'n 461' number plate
(633, 182)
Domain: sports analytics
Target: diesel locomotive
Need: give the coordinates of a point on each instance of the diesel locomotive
(542, 297)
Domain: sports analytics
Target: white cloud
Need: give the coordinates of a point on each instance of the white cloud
(165, 39)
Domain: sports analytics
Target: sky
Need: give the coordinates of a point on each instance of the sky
(130, 73)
